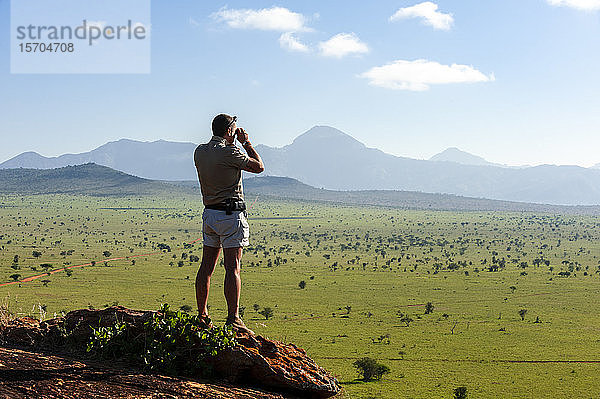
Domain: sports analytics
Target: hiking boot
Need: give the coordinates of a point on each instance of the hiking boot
(238, 325)
(205, 322)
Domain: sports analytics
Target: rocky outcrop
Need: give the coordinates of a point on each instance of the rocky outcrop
(278, 365)
(31, 375)
(256, 360)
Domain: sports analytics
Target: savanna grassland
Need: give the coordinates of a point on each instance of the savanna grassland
(515, 296)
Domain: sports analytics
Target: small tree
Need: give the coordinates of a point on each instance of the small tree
(15, 276)
(522, 313)
(460, 393)
(45, 282)
(369, 369)
(429, 308)
(16, 260)
(186, 308)
(255, 307)
(302, 284)
(46, 266)
(106, 254)
(36, 254)
(267, 312)
(406, 319)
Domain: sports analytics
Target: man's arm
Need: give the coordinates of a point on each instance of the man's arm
(255, 163)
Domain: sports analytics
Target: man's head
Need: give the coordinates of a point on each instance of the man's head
(224, 126)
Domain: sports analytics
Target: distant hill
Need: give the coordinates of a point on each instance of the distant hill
(287, 188)
(597, 166)
(88, 179)
(326, 157)
(453, 154)
(97, 180)
(329, 158)
(158, 160)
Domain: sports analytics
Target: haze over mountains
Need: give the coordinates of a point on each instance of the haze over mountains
(325, 157)
(453, 154)
(101, 181)
(87, 179)
(159, 160)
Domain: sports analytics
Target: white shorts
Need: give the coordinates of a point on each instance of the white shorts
(228, 231)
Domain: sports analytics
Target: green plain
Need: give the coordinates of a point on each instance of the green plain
(362, 267)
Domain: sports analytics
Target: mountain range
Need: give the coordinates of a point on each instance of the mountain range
(87, 179)
(325, 157)
(453, 154)
(97, 180)
(159, 160)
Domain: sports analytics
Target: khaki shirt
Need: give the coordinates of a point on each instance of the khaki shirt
(219, 165)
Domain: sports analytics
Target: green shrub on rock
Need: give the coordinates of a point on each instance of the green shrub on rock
(173, 342)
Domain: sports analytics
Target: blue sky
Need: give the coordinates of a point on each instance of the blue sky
(514, 81)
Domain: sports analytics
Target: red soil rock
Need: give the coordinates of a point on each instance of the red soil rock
(256, 361)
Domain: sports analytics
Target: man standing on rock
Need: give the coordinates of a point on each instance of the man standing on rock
(224, 221)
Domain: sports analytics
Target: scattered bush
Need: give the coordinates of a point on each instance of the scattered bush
(522, 313)
(460, 393)
(405, 318)
(186, 308)
(429, 308)
(46, 266)
(267, 312)
(369, 369)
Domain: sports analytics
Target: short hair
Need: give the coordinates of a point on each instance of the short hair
(220, 124)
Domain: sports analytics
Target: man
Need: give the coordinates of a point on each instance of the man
(224, 224)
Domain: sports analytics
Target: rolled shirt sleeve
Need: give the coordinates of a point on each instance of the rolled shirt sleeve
(236, 158)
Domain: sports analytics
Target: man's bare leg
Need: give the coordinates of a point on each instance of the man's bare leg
(210, 255)
(233, 284)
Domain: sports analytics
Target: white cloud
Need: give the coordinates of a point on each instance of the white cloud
(343, 44)
(418, 75)
(428, 11)
(289, 42)
(587, 5)
(274, 18)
